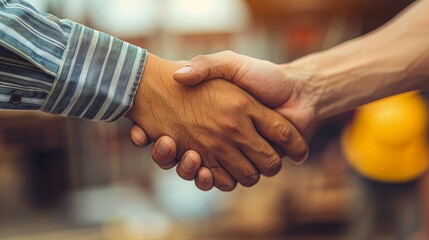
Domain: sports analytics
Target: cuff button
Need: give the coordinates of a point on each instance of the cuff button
(15, 99)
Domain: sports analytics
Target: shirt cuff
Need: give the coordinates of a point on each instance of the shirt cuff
(98, 76)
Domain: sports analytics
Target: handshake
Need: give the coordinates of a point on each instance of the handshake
(232, 131)
(224, 118)
(229, 118)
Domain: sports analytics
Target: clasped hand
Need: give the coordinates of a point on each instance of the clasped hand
(237, 137)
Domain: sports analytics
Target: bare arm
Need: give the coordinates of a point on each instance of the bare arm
(390, 60)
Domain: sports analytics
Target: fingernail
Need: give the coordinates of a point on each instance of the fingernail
(163, 150)
(188, 164)
(184, 70)
(136, 143)
(302, 160)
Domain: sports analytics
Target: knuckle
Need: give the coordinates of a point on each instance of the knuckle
(240, 103)
(199, 58)
(273, 165)
(228, 53)
(231, 125)
(285, 133)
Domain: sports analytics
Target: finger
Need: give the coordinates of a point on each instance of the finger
(282, 133)
(189, 165)
(223, 65)
(261, 153)
(138, 136)
(222, 179)
(204, 179)
(240, 168)
(164, 152)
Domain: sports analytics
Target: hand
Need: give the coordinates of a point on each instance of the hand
(280, 87)
(219, 121)
(164, 153)
(253, 75)
(335, 80)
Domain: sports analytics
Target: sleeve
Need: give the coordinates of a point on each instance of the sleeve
(62, 67)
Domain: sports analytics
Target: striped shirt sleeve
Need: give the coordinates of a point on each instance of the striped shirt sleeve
(62, 67)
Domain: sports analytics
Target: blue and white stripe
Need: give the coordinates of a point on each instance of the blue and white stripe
(65, 68)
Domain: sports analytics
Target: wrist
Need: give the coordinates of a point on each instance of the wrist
(301, 99)
(309, 84)
(156, 94)
(326, 80)
(153, 87)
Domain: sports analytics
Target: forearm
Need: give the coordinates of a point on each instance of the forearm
(391, 60)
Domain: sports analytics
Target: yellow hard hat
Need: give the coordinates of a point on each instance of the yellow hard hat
(387, 139)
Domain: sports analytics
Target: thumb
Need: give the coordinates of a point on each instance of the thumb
(224, 65)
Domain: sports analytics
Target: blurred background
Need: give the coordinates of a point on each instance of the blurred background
(75, 179)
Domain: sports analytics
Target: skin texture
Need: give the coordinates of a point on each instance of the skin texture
(167, 159)
(391, 60)
(278, 87)
(250, 74)
(225, 125)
